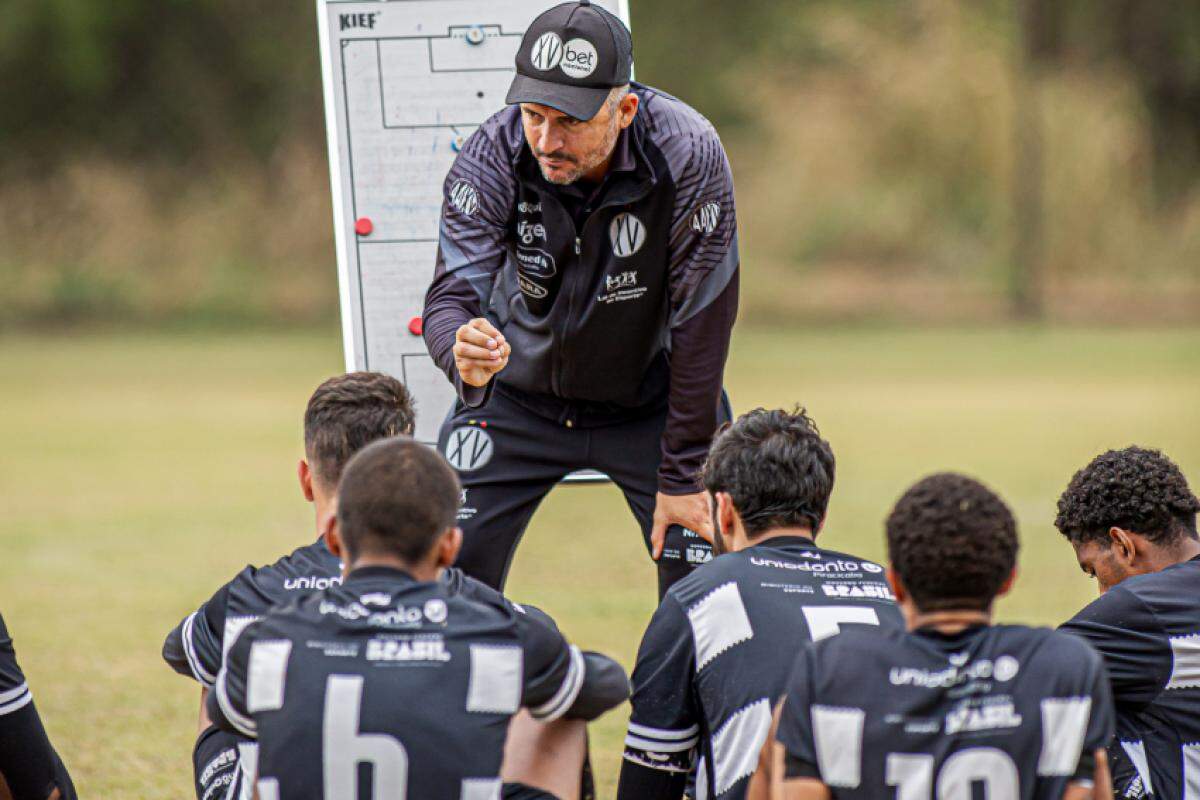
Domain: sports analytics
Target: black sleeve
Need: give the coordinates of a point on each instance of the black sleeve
(27, 760)
(194, 648)
(479, 193)
(215, 763)
(699, 348)
(226, 703)
(640, 782)
(554, 670)
(703, 269)
(1102, 720)
(1128, 636)
(664, 726)
(561, 680)
(795, 731)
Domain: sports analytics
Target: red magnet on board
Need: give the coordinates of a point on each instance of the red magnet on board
(364, 226)
(415, 326)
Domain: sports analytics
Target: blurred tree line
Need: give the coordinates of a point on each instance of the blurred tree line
(186, 91)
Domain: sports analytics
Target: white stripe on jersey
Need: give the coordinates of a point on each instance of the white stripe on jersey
(1137, 754)
(1064, 726)
(242, 788)
(268, 789)
(496, 679)
(657, 746)
(12, 694)
(244, 725)
(838, 736)
(481, 789)
(266, 677)
(564, 698)
(719, 621)
(662, 733)
(736, 745)
(1191, 772)
(202, 675)
(15, 699)
(1185, 667)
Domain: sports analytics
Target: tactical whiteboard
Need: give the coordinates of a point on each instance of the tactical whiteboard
(406, 81)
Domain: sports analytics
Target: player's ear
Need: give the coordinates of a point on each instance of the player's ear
(896, 585)
(726, 513)
(628, 109)
(448, 547)
(1124, 549)
(304, 472)
(333, 537)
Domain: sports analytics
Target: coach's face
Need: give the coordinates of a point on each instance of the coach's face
(568, 149)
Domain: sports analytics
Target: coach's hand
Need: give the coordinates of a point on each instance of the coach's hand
(689, 510)
(480, 351)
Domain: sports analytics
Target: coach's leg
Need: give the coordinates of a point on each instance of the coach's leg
(544, 758)
(507, 459)
(629, 453)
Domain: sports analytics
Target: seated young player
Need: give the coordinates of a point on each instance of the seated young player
(1131, 519)
(387, 677)
(718, 651)
(344, 414)
(29, 767)
(954, 707)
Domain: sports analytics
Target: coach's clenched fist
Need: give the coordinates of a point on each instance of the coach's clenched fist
(480, 351)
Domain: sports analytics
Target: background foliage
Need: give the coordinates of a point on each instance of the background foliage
(934, 158)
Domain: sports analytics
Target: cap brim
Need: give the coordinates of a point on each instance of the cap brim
(580, 102)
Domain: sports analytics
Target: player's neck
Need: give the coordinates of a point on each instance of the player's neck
(1186, 550)
(780, 533)
(948, 622)
(425, 572)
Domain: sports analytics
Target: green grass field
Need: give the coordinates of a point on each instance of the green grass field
(141, 471)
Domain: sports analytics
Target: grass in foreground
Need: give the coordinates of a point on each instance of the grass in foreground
(140, 472)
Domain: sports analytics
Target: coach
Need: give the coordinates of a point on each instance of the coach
(585, 288)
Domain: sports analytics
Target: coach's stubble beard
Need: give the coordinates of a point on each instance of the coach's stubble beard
(585, 163)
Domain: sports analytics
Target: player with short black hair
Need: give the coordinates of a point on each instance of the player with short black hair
(718, 651)
(954, 706)
(389, 674)
(1131, 519)
(30, 769)
(344, 414)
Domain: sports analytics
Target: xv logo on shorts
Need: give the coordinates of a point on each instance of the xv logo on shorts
(469, 449)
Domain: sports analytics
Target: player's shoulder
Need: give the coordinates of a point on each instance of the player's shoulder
(498, 139)
(1128, 606)
(664, 116)
(701, 582)
(1173, 588)
(309, 568)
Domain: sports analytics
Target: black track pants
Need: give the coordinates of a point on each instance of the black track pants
(508, 458)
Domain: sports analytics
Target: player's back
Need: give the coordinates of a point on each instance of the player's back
(740, 621)
(417, 682)
(1006, 710)
(1147, 629)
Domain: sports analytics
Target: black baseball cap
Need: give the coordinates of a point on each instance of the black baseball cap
(570, 59)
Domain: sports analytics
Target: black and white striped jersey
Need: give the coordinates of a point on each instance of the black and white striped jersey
(1147, 629)
(197, 646)
(28, 763)
(1004, 712)
(389, 683)
(718, 651)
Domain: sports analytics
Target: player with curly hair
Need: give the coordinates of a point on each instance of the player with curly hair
(952, 706)
(1131, 519)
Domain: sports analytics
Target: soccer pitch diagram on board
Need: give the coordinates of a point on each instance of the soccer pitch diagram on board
(406, 82)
